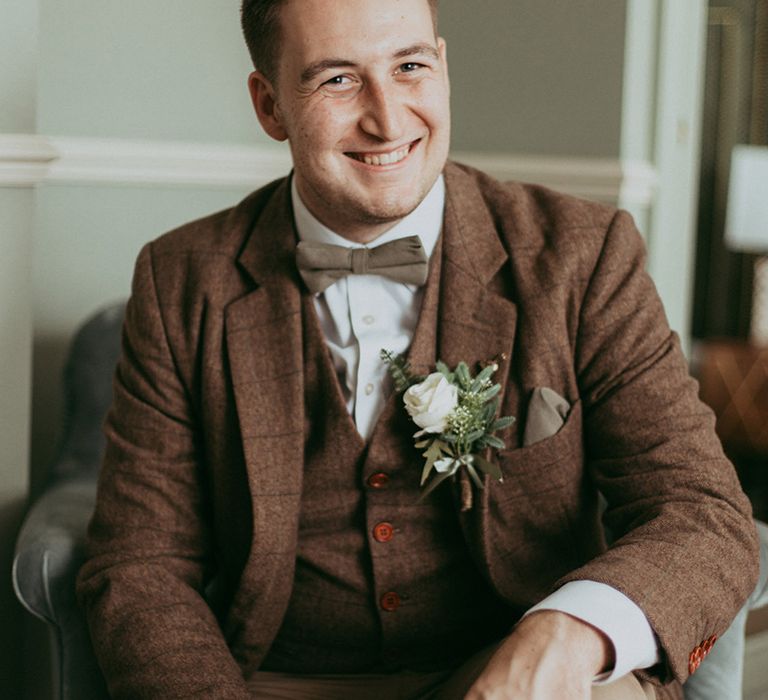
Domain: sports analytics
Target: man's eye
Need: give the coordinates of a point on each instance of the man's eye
(338, 80)
(409, 67)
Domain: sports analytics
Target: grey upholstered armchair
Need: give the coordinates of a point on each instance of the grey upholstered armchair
(50, 545)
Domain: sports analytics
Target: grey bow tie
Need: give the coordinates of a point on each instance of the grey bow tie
(321, 264)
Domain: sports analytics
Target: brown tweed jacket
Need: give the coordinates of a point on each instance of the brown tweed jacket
(192, 544)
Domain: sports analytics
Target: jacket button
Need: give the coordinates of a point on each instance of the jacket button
(378, 481)
(383, 532)
(390, 601)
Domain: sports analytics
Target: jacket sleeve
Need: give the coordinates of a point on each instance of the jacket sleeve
(680, 521)
(149, 541)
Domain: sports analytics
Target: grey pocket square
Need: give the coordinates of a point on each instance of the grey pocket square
(547, 411)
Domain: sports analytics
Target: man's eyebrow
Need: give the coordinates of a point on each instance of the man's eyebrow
(418, 50)
(317, 67)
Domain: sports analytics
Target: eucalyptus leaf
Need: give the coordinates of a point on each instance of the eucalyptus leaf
(493, 441)
(501, 423)
(473, 474)
(488, 394)
(431, 455)
(484, 376)
(475, 435)
(493, 470)
(439, 479)
(436, 450)
(398, 368)
(443, 369)
(462, 374)
(488, 412)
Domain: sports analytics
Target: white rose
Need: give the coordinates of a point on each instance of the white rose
(431, 402)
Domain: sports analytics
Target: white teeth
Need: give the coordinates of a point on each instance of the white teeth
(385, 158)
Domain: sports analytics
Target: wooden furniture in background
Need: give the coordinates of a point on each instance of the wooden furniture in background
(733, 375)
(733, 378)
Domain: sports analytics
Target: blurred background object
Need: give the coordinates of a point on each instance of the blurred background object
(731, 361)
(746, 227)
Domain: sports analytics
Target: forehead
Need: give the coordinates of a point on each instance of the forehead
(357, 29)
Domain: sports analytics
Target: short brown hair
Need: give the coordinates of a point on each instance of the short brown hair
(260, 20)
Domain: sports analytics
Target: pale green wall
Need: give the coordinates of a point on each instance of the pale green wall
(18, 29)
(86, 241)
(536, 77)
(174, 69)
(528, 76)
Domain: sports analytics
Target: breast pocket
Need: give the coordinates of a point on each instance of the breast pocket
(533, 515)
(552, 464)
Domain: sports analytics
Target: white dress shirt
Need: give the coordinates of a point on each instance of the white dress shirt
(361, 314)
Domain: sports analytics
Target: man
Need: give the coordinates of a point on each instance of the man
(258, 531)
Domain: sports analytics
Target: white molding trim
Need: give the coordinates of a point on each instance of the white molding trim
(87, 160)
(24, 159)
(603, 179)
(678, 108)
(31, 159)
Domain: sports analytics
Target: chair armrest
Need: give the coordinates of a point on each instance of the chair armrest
(759, 597)
(50, 549)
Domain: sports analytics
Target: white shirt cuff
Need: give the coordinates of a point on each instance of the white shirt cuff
(616, 616)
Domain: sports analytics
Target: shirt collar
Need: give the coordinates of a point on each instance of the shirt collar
(425, 221)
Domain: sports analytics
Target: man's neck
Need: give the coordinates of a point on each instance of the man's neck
(424, 221)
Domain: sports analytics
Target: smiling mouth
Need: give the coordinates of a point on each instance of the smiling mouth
(390, 158)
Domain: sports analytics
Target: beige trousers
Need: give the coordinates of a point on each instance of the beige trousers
(401, 686)
(410, 685)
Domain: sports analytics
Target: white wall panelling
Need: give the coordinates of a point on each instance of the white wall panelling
(30, 159)
(661, 122)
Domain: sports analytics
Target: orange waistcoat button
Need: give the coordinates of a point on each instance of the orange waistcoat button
(383, 532)
(390, 601)
(378, 481)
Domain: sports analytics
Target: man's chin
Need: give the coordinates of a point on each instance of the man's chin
(365, 224)
(390, 204)
(380, 213)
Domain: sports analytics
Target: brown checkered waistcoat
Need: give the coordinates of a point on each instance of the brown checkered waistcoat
(202, 480)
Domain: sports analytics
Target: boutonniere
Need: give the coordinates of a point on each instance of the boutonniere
(456, 414)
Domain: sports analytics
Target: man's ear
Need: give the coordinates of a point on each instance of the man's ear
(265, 103)
(443, 50)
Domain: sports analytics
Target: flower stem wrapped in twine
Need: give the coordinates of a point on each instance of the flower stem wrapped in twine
(465, 489)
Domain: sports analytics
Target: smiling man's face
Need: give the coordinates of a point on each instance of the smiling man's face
(362, 96)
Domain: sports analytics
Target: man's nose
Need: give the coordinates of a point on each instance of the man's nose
(383, 112)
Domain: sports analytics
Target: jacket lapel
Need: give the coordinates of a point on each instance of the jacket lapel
(264, 348)
(476, 322)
